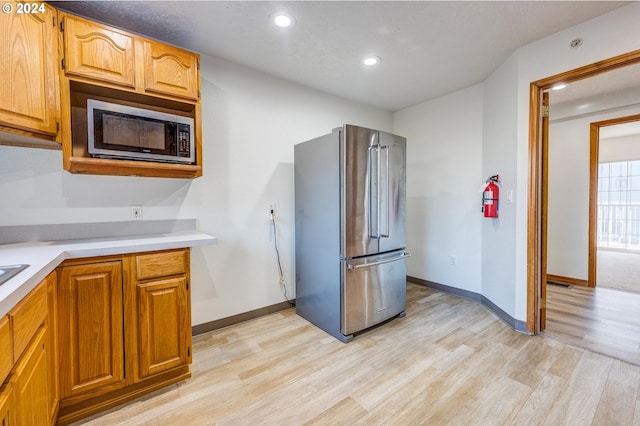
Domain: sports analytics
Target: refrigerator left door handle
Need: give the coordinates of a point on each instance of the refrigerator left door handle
(380, 262)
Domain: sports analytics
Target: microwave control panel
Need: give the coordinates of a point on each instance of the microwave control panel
(184, 140)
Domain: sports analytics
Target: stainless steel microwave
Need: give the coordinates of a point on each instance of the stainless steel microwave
(125, 132)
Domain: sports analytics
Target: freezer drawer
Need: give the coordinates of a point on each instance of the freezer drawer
(373, 290)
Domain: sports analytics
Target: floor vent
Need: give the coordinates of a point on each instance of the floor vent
(560, 284)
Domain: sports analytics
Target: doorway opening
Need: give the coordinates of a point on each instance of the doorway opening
(616, 205)
(582, 194)
(538, 186)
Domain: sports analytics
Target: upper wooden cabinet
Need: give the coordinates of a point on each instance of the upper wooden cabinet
(170, 71)
(109, 64)
(108, 55)
(98, 52)
(29, 96)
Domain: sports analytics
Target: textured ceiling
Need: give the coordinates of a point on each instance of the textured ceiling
(428, 48)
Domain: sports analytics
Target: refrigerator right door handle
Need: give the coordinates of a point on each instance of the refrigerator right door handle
(380, 262)
(374, 193)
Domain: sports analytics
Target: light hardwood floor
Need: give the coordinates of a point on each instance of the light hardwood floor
(450, 361)
(600, 319)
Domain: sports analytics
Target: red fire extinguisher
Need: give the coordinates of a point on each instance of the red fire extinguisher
(490, 197)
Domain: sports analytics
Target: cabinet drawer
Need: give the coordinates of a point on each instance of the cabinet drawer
(6, 354)
(27, 317)
(161, 264)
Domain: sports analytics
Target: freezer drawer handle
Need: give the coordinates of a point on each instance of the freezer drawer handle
(380, 262)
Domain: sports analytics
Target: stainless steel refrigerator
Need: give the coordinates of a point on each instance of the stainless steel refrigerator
(350, 214)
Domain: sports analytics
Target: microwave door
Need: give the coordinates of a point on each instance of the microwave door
(153, 137)
(134, 134)
(119, 132)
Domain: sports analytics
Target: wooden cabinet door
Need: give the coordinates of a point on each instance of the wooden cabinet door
(98, 52)
(29, 70)
(6, 350)
(90, 329)
(170, 71)
(7, 411)
(31, 383)
(164, 332)
(27, 317)
(52, 339)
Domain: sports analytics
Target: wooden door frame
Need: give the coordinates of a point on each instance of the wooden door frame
(536, 238)
(593, 187)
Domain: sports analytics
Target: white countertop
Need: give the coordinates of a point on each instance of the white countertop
(44, 257)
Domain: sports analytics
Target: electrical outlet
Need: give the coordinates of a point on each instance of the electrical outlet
(453, 260)
(136, 212)
(271, 207)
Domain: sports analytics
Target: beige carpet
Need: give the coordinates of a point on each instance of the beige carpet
(618, 270)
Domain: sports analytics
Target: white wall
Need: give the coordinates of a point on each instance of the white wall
(250, 123)
(623, 148)
(443, 177)
(499, 157)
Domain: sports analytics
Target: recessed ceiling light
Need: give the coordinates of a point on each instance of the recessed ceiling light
(282, 20)
(559, 86)
(371, 61)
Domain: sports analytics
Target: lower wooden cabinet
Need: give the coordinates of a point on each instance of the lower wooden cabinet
(91, 329)
(93, 334)
(164, 332)
(30, 382)
(159, 310)
(124, 329)
(51, 283)
(6, 343)
(7, 411)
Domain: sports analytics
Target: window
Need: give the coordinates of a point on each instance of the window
(619, 205)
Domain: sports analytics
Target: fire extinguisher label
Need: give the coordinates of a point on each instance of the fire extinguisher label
(488, 197)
